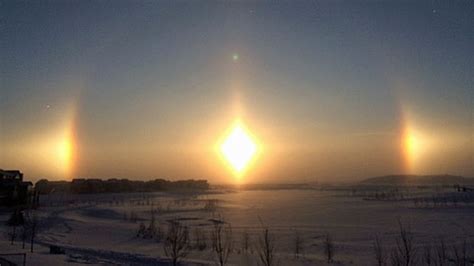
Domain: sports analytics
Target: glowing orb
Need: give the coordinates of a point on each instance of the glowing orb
(238, 148)
(235, 57)
(412, 144)
(64, 151)
(414, 147)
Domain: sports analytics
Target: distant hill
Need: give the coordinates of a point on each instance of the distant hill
(418, 180)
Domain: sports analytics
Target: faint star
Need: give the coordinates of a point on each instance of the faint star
(235, 57)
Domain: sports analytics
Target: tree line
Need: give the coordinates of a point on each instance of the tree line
(83, 186)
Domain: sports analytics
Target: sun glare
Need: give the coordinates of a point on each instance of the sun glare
(64, 154)
(65, 151)
(238, 149)
(414, 146)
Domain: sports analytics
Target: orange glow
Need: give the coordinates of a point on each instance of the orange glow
(238, 149)
(65, 152)
(411, 147)
(414, 145)
(62, 146)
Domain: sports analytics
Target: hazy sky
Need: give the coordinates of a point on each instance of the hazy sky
(332, 90)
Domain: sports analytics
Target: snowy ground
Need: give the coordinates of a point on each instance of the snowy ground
(102, 229)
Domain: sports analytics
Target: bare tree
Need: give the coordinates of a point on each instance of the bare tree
(298, 244)
(16, 219)
(460, 254)
(441, 256)
(152, 230)
(33, 221)
(25, 230)
(245, 241)
(200, 241)
(176, 242)
(266, 248)
(427, 259)
(379, 251)
(12, 234)
(152, 226)
(222, 241)
(328, 248)
(141, 230)
(395, 258)
(405, 245)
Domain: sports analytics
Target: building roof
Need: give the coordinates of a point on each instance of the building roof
(10, 172)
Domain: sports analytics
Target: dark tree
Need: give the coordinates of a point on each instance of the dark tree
(266, 248)
(25, 230)
(441, 255)
(328, 248)
(12, 234)
(222, 242)
(245, 241)
(298, 244)
(176, 242)
(427, 259)
(405, 246)
(200, 240)
(379, 251)
(460, 254)
(33, 227)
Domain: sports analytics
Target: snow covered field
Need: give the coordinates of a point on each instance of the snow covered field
(102, 229)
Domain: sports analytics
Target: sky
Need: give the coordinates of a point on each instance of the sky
(328, 91)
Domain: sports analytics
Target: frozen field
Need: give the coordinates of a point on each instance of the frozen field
(102, 229)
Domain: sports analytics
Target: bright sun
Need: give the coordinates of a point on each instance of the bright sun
(238, 148)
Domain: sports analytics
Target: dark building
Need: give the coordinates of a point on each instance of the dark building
(13, 190)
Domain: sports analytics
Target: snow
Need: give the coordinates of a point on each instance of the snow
(102, 229)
